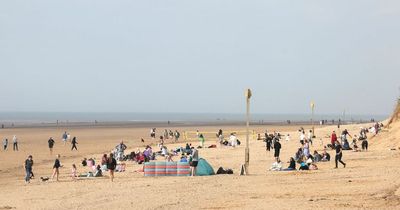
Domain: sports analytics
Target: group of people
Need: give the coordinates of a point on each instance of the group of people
(14, 142)
(167, 134)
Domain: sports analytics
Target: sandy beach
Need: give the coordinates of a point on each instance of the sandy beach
(368, 182)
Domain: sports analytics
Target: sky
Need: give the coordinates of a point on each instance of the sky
(199, 56)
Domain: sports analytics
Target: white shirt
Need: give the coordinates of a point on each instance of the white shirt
(15, 139)
(302, 136)
(233, 140)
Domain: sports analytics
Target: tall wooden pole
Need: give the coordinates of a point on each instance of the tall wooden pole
(247, 151)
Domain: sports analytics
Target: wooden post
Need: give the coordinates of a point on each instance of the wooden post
(247, 151)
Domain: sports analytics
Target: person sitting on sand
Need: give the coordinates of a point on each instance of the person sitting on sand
(303, 166)
(98, 172)
(325, 157)
(346, 145)
(299, 155)
(183, 159)
(354, 145)
(84, 162)
(312, 166)
(292, 165)
(276, 166)
(317, 156)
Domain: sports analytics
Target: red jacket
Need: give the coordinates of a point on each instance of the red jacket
(333, 138)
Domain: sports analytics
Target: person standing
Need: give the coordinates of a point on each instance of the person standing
(74, 143)
(194, 160)
(233, 140)
(306, 149)
(277, 147)
(56, 166)
(5, 144)
(268, 142)
(15, 143)
(64, 137)
(28, 168)
(51, 144)
(333, 139)
(310, 136)
(339, 155)
(111, 165)
(202, 140)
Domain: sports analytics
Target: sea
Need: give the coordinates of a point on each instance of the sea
(82, 117)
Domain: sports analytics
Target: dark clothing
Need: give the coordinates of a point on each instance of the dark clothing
(292, 164)
(51, 143)
(277, 147)
(194, 163)
(338, 158)
(269, 142)
(57, 164)
(74, 143)
(364, 145)
(28, 163)
(15, 146)
(111, 164)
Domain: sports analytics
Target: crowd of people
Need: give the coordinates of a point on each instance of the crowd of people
(308, 161)
(304, 157)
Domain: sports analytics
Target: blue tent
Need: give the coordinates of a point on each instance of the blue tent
(204, 168)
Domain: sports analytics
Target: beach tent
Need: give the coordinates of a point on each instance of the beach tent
(204, 168)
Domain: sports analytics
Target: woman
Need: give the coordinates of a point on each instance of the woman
(201, 139)
(74, 172)
(292, 165)
(111, 165)
(306, 148)
(56, 167)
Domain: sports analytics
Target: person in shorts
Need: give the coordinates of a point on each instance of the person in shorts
(194, 160)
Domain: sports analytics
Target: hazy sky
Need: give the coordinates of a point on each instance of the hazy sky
(199, 56)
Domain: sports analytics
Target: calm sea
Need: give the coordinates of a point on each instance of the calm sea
(52, 117)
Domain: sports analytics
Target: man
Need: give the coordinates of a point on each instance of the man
(339, 154)
(344, 135)
(277, 148)
(51, 144)
(28, 168)
(310, 136)
(194, 160)
(5, 144)
(74, 143)
(121, 147)
(15, 143)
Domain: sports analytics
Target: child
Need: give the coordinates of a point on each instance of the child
(74, 173)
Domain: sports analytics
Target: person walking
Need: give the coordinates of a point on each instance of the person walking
(51, 144)
(28, 169)
(74, 143)
(56, 166)
(111, 165)
(339, 155)
(5, 144)
(277, 148)
(15, 143)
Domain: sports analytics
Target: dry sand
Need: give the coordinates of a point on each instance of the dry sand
(370, 180)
